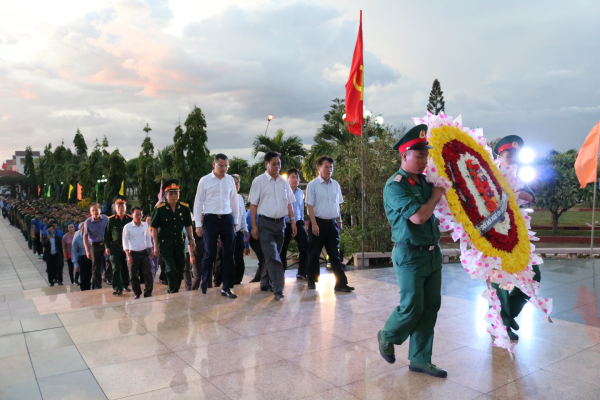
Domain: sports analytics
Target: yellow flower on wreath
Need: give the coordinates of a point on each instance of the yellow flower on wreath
(514, 261)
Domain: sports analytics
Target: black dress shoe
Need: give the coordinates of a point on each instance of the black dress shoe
(147, 295)
(344, 288)
(266, 289)
(116, 292)
(228, 293)
(137, 296)
(311, 285)
(203, 287)
(60, 284)
(301, 278)
(127, 289)
(350, 287)
(279, 296)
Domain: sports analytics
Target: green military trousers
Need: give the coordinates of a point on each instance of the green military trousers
(120, 270)
(513, 302)
(174, 258)
(419, 275)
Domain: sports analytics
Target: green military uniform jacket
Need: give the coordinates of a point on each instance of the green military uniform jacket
(402, 198)
(170, 224)
(113, 235)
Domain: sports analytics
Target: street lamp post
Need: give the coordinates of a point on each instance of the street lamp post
(269, 118)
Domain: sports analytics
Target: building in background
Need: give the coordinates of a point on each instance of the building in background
(17, 163)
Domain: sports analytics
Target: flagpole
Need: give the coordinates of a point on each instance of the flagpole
(594, 206)
(362, 194)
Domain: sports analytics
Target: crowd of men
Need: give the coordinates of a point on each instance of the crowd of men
(208, 245)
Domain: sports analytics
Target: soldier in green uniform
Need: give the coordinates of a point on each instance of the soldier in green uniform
(168, 220)
(409, 203)
(27, 220)
(113, 240)
(512, 302)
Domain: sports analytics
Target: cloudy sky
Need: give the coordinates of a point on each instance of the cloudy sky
(109, 67)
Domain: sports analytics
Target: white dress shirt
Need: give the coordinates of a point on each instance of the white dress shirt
(272, 196)
(136, 238)
(325, 198)
(216, 196)
(241, 223)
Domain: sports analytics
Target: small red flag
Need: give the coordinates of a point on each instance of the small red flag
(79, 188)
(3, 165)
(355, 87)
(586, 165)
(39, 190)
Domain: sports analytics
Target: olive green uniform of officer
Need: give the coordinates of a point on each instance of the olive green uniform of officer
(171, 242)
(28, 230)
(113, 240)
(513, 302)
(417, 258)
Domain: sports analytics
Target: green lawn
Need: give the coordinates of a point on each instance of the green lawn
(569, 218)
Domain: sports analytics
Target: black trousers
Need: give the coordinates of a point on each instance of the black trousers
(238, 258)
(215, 228)
(51, 268)
(97, 263)
(141, 262)
(73, 275)
(191, 273)
(302, 242)
(38, 243)
(85, 272)
(329, 236)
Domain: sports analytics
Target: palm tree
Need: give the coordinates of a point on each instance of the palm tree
(164, 162)
(291, 149)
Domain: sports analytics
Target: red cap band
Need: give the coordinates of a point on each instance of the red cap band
(410, 143)
(172, 186)
(508, 146)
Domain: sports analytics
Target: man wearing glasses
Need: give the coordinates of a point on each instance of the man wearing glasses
(217, 200)
(271, 197)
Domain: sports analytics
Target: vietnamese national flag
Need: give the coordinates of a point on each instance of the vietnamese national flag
(355, 87)
(4, 165)
(79, 190)
(39, 190)
(586, 165)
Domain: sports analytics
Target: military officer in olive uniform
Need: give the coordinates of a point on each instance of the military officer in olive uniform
(409, 203)
(512, 302)
(168, 220)
(113, 240)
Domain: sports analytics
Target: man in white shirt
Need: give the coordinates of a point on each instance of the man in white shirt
(271, 197)
(137, 244)
(217, 200)
(323, 199)
(241, 236)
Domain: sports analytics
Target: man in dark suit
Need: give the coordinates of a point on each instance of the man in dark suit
(53, 255)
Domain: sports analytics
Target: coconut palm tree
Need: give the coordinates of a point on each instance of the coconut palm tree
(291, 149)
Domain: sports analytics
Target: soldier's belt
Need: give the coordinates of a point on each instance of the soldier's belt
(420, 247)
(217, 215)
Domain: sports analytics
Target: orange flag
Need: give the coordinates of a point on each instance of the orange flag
(355, 87)
(79, 188)
(586, 165)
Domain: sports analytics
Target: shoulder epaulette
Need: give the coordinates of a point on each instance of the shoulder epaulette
(129, 215)
(161, 205)
(398, 178)
(184, 204)
(112, 216)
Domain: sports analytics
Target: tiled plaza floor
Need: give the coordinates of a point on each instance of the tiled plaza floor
(59, 343)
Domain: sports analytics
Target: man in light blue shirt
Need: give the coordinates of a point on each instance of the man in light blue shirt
(301, 235)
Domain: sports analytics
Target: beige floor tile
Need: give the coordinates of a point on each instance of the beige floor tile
(461, 331)
(259, 324)
(57, 361)
(103, 330)
(345, 364)
(12, 345)
(440, 346)
(121, 349)
(297, 341)
(184, 317)
(351, 329)
(480, 370)
(21, 391)
(219, 312)
(192, 336)
(545, 385)
(403, 384)
(144, 375)
(45, 322)
(223, 358)
(170, 306)
(533, 351)
(278, 380)
(201, 389)
(15, 370)
(569, 333)
(90, 316)
(335, 394)
(583, 366)
(71, 386)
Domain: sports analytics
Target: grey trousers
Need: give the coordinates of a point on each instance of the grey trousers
(191, 283)
(270, 235)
